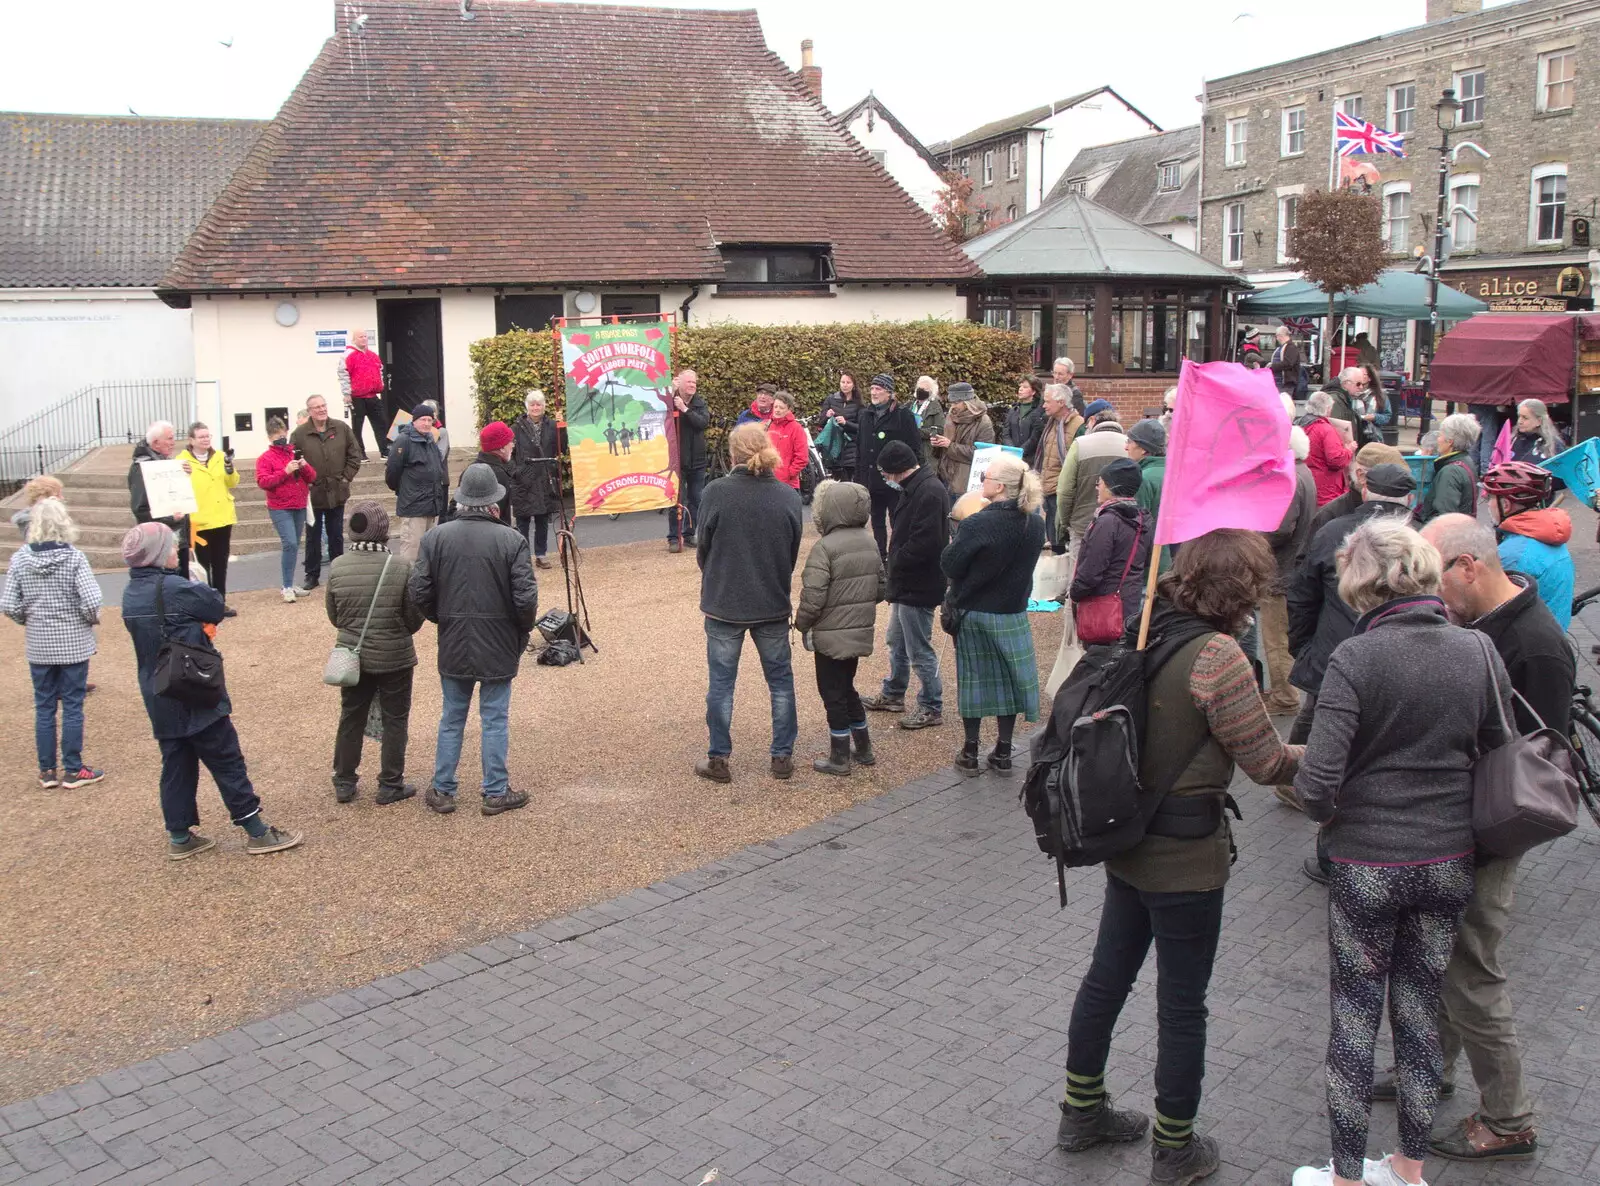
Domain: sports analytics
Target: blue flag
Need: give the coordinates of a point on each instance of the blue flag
(1579, 468)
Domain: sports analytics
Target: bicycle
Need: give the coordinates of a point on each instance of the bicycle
(1584, 731)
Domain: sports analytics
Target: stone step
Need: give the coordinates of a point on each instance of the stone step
(102, 480)
(246, 531)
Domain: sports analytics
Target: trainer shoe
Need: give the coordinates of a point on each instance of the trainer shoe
(344, 792)
(1384, 1088)
(288, 596)
(273, 840)
(1179, 1167)
(715, 769)
(1082, 1129)
(1313, 869)
(306, 586)
(882, 703)
(229, 612)
(506, 801)
(439, 802)
(81, 777)
(1473, 1140)
(674, 546)
(388, 795)
(1322, 1175)
(300, 591)
(1382, 1173)
(48, 779)
(920, 718)
(193, 846)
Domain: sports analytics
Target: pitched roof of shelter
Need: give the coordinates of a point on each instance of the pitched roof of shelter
(550, 143)
(1131, 189)
(1032, 116)
(1072, 236)
(107, 201)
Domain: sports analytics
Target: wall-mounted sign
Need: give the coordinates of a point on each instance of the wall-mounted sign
(333, 341)
(1506, 283)
(1528, 304)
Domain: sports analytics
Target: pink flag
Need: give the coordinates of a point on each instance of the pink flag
(1228, 459)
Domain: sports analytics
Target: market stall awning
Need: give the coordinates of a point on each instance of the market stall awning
(1501, 358)
(1398, 293)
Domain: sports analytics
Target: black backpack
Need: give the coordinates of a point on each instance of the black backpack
(1082, 791)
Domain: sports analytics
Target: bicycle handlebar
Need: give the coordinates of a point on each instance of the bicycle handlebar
(1584, 599)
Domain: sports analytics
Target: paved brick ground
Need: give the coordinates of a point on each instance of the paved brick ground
(879, 999)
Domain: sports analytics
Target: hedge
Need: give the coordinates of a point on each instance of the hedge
(805, 359)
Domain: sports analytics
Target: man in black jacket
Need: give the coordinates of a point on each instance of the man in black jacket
(473, 576)
(883, 421)
(160, 444)
(916, 586)
(693, 416)
(1475, 1008)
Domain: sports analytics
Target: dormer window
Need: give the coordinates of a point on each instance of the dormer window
(1169, 177)
(790, 265)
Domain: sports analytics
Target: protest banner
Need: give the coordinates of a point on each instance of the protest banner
(616, 379)
(170, 492)
(1579, 468)
(983, 456)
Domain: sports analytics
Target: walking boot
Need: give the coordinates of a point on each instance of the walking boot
(881, 703)
(838, 759)
(967, 760)
(863, 741)
(714, 769)
(1083, 1128)
(1179, 1167)
(783, 767)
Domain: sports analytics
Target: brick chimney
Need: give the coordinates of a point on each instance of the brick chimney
(1443, 10)
(810, 72)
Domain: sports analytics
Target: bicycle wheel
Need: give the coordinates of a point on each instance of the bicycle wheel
(1586, 740)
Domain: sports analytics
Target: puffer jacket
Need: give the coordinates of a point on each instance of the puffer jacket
(417, 474)
(351, 583)
(849, 412)
(964, 428)
(51, 593)
(788, 437)
(212, 480)
(189, 607)
(1055, 442)
(844, 578)
(1534, 543)
(474, 577)
(335, 455)
(535, 466)
(285, 491)
(1120, 528)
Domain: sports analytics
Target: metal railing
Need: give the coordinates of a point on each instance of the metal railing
(100, 414)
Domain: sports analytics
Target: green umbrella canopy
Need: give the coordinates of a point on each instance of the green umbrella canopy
(1398, 293)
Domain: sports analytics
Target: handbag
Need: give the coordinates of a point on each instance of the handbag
(186, 672)
(1525, 792)
(343, 668)
(1100, 618)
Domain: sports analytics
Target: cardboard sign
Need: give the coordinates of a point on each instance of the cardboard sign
(170, 492)
(983, 456)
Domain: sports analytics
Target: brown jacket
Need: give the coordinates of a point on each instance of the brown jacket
(1051, 453)
(335, 455)
(964, 430)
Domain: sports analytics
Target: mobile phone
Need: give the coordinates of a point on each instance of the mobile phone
(227, 449)
(298, 456)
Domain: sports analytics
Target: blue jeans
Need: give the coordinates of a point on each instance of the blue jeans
(288, 525)
(66, 683)
(911, 646)
(694, 484)
(494, 707)
(724, 642)
(1489, 423)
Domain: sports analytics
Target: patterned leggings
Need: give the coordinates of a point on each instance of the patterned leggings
(1391, 926)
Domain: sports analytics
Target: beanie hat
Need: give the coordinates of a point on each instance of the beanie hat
(896, 458)
(1122, 477)
(368, 522)
(1095, 408)
(1150, 436)
(1391, 481)
(884, 381)
(960, 393)
(146, 545)
(495, 435)
(426, 408)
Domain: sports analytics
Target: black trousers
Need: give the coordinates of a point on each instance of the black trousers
(330, 520)
(883, 502)
(393, 691)
(836, 684)
(370, 410)
(1185, 929)
(217, 745)
(213, 556)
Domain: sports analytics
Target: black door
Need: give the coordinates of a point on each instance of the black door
(527, 311)
(413, 354)
(622, 305)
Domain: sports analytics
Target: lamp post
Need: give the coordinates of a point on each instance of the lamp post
(1444, 117)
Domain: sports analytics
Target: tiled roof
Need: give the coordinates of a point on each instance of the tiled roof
(96, 200)
(546, 144)
(1133, 168)
(1034, 115)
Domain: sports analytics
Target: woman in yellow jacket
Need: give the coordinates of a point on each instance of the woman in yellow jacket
(213, 477)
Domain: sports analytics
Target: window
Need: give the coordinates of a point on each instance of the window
(1236, 133)
(1288, 219)
(1294, 131)
(878, 154)
(615, 304)
(1077, 185)
(1558, 73)
(530, 312)
(1548, 223)
(1402, 107)
(1463, 211)
(1170, 176)
(789, 266)
(1397, 216)
(988, 167)
(1233, 234)
(966, 166)
(1014, 161)
(1471, 87)
(1351, 106)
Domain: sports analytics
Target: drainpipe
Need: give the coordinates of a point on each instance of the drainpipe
(683, 309)
(1200, 179)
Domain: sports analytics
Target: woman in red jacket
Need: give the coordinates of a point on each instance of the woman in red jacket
(287, 480)
(788, 437)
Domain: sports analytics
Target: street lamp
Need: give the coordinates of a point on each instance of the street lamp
(1445, 112)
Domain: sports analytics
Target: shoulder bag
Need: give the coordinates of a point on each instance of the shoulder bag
(1525, 792)
(343, 668)
(1099, 619)
(186, 672)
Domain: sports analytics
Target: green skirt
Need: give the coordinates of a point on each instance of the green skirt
(996, 672)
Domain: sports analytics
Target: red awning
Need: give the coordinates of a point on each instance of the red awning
(1495, 358)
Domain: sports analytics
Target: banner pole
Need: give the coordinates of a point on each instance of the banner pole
(1149, 595)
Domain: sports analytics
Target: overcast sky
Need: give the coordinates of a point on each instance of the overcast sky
(942, 67)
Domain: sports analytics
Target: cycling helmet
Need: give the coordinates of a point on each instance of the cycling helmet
(1519, 483)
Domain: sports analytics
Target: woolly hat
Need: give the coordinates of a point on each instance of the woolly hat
(884, 381)
(426, 408)
(960, 393)
(146, 545)
(368, 522)
(1122, 477)
(1391, 481)
(495, 435)
(1095, 408)
(896, 458)
(1150, 436)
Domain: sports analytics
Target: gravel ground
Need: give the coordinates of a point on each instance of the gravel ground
(113, 954)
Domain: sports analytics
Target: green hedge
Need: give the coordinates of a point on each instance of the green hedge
(805, 359)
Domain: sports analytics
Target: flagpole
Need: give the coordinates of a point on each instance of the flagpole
(1333, 146)
(1149, 595)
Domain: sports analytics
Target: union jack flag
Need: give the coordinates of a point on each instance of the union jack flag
(1355, 136)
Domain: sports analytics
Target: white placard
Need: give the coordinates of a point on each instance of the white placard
(332, 341)
(168, 488)
(983, 456)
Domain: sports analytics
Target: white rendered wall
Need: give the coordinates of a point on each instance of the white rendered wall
(1100, 120)
(903, 162)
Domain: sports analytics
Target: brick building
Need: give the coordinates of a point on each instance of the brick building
(1524, 73)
